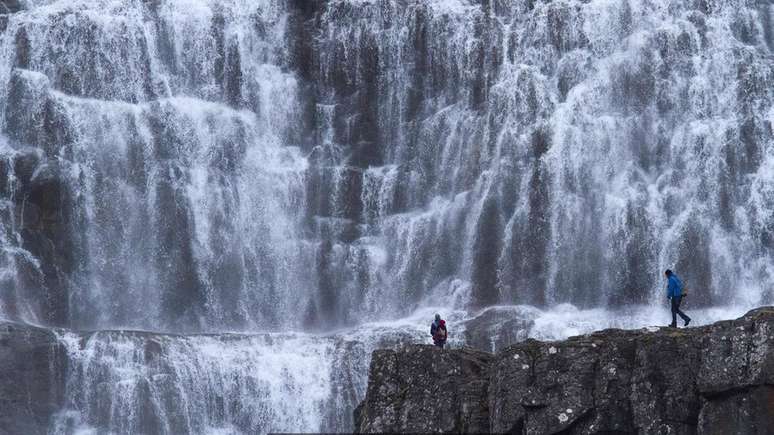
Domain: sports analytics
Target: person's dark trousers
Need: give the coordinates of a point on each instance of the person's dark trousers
(676, 310)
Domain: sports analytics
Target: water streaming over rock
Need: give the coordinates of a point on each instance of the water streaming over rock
(267, 166)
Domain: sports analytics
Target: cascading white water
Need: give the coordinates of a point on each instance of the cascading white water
(140, 382)
(127, 383)
(174, 193)
(203, 167)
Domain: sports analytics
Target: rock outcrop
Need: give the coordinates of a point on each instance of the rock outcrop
(715, 379)
(31, 378)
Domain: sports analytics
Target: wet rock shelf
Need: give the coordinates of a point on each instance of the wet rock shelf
(714, 379)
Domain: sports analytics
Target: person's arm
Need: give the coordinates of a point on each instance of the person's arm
(670, 288)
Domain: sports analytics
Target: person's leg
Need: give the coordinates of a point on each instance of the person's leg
(674, 313)
(682, 315)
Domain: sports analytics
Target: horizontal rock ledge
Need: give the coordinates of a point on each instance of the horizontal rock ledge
(714, 379)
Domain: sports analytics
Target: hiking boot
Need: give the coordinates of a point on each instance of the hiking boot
(687, 321)
(673, 325)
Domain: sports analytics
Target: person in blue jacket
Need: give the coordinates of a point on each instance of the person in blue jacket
(675, 294)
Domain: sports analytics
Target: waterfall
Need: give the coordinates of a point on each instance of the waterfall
(195, 384)
(258, 187)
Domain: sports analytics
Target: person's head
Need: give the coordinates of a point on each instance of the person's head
(668, 273)
(443, 323)
(437, 317)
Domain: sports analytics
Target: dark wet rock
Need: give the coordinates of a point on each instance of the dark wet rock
(42, 216)
(747, 411)
(707, 380)
(422, 388)
(497, 327)
(486, 248)
(31, 378)
(11, 6)
(232, 81)
(46, 207)
(26, 105)
(183, 291)
(8, 7)
(34, 116)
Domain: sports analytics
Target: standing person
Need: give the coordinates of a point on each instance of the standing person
(438, 331)
(675, 294)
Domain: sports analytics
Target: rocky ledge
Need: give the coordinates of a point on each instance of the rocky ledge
(715, 379)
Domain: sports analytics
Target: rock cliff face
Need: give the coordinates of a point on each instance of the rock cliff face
(715, 379)
(31, 378)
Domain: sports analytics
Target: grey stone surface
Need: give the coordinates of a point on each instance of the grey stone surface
(707, 380)
(422, 388)
(32, 368)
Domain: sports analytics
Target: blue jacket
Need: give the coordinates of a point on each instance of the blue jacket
(675, 287)
(433, 327)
